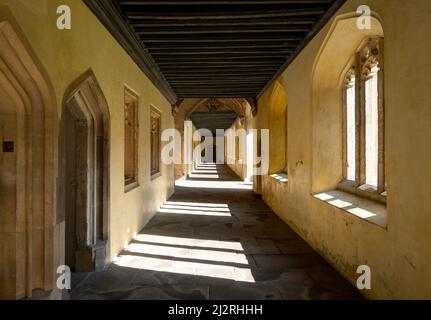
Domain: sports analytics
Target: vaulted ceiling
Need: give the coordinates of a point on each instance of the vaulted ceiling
(213, 120)
(213, 48)
(213, 114)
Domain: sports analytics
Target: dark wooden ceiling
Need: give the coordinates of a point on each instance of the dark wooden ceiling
(213, 48)
(213, 120)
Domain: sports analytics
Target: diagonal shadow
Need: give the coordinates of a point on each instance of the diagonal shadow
(278, 264)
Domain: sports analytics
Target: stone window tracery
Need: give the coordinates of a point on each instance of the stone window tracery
(363, 124)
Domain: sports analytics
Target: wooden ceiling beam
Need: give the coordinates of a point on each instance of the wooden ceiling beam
(220, 59)
(215, 95)
(225, 45)
(157, 54)
(238, 91)
(335, 5)
(222, 38)
(222, 15)
(213, 48)
(210, 92)
(217, 81)
(221, 88)
(250, 86)
(219, 2)
(171, 77)
(215, 76)
(110, 16)
(216, 90)
(143, 31)
(209, 78)
(223, 23)
(218, 67)
(211, 81)
(225, 80)
(219, 62)
(220, 70)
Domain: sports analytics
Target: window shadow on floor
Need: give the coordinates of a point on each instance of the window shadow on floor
(219, 242)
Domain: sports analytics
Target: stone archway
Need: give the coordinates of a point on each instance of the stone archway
(86, 175)
(342, 41)
(27, 169)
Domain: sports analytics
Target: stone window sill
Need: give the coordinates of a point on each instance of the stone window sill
(280, 177)
(369, 210)
(155, 175)
(364, 191)
(130, 186)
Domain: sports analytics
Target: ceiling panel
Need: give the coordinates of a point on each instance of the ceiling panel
(213, 48)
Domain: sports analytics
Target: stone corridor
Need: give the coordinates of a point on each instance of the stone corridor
(215, 239)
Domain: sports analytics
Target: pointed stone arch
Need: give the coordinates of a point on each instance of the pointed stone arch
(85, 174)
(238, 105)
(27, 167)
(278, 129)
(333, 61)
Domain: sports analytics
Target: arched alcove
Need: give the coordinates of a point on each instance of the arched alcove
(333, 61)
(27, 168)
(278, 129)
(85, 174)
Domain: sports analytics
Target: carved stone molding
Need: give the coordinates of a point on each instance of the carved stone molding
(253, 105)
(349, 80)
(28, 230)
(369, 58)
(213, 105)
(176, 107)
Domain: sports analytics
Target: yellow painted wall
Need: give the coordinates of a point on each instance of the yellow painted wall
(277, 104)
(399, 256)
(67, 54)
(271, 115)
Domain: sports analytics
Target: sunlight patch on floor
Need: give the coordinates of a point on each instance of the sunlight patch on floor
(229, 245)
(204, 176)
(163, 209)
(214, 184)
(178, 252)
(185, 207)
(209, 258)
(186, 268)
(197, 204)
(200, 209)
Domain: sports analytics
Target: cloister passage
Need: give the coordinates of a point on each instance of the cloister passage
(215, 239)
(321, 108)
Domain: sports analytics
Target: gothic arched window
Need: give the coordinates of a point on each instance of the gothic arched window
(363, 109)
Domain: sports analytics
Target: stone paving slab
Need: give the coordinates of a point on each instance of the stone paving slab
(215, 239)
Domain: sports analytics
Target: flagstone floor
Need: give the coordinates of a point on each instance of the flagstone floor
(215, 239)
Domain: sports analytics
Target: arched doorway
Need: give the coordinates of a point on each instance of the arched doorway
(86, 175)
(27, 169)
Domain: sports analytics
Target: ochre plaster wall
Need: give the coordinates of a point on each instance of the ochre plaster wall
(277, 104)
(67, 54)
(400, 255)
